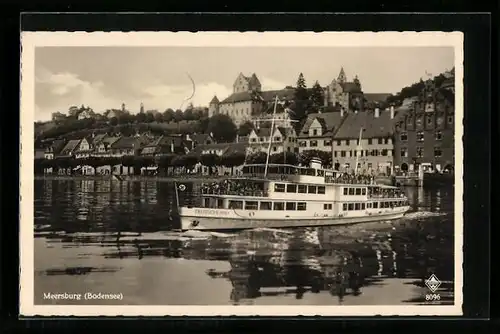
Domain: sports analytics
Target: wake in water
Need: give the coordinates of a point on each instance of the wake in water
(309, 234)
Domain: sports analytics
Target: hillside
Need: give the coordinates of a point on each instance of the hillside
(74, 129)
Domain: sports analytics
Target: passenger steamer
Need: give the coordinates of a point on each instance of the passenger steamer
(281, 195)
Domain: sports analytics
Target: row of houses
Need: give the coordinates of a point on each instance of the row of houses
(420, 132)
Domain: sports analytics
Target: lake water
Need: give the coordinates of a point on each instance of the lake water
(114, 237)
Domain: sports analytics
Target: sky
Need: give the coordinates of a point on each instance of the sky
(159, 77)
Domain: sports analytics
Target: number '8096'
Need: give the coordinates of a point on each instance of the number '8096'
(432, 297)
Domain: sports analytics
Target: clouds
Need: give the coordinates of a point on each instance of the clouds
(106, 77)
(58, 91)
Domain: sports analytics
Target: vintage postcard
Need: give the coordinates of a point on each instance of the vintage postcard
(229, 173)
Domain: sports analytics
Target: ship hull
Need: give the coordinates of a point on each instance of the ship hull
(220, 222)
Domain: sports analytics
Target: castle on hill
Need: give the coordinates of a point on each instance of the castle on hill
(248, 101)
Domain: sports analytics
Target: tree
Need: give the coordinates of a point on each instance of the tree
(158, 117)
(257, 158)
(113, 121)
(301, 89)
(201, 126)
(306, 156)
(178, 116)
(222, 128)
(150, 117)
(232, 160)
(141, 117)
(209, 160)
(245, 128)
(168, 115)
(165, 161)
(316, 97)
(288, 158)
(187, 161)
(301, 100)
(188, 114)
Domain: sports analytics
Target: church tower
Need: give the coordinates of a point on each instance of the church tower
(342, 77)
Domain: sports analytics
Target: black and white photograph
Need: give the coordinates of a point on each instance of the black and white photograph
(241, 173)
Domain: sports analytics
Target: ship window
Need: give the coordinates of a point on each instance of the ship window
(279, 206)
(357, 206)
(279, 188)
(345, 191)
(351, 191)
(375, 205)
(358, 191)
(368, 205)
(291, 188)
(220, 203)
(327, 206)
(302, 188)
(251, 205)
(311, 190)
(321, 190)
(265, 206)
(344, 206)
(363, 191)
(235, 204)
(301, 206)
(351, 206)
(206, 202)
(291, 206)
(362, 206)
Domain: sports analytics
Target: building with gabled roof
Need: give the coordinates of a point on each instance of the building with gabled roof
(247, 99)
(70, 148)
(346, 94)
(284, 139)
(54, 149)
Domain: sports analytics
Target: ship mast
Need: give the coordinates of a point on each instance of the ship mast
(358, 151)
(271, 136)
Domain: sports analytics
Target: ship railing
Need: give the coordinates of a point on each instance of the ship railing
(249, 193)
(395, 196)
(341, 180)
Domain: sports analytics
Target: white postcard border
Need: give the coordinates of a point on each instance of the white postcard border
(31, 40)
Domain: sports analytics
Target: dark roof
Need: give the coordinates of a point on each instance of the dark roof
(283, 94)
(374, 127)
(268, 96)
(98, 138)
(126, 143)
(70, 147)
(239, 97)
(214, 100)
(253, 80)
(350, 87)
(200, 138)
(266, 131)
(404, 109)
(227, 148)
(57, 146)
(329, 121)
(163, 146)
(376, 97)
(263, 132)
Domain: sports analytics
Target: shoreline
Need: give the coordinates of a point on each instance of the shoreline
(129, 178)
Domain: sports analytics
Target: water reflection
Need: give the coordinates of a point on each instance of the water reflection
(374, 263)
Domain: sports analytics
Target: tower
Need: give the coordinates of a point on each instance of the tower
(213, 107)
(342, 77)
(142, 108)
